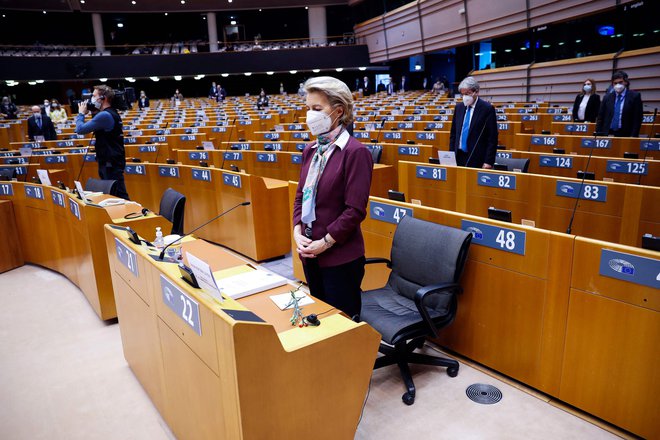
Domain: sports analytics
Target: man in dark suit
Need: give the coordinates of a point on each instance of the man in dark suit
(473, 135)
(40, 125)
(621, 111)
(365, 86)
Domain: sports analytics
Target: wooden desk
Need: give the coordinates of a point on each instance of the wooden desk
(233, 378)
(11, 256)
(542, 313)
(58, 231)
(259, 231)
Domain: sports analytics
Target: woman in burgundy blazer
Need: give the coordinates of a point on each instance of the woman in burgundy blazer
(335, 179)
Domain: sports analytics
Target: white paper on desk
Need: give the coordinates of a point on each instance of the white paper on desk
(284, 299)
(44, 177)
(204, 276)
(247, 283)
(208, 145)
(447, 158)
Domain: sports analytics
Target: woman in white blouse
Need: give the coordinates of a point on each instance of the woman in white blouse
(57, 113)
(587, 103)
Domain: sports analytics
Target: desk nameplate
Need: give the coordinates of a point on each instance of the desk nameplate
(186, 308)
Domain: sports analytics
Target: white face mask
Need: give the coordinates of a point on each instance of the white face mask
(619, 88)
(468, 100)
(96, 103)
(318, 122)
(586, 88)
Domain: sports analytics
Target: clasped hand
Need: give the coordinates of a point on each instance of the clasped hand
(306, 247)
(82, 107)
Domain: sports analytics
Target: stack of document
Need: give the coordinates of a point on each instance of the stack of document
(247, 281)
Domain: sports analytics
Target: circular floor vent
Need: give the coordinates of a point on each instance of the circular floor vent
(484, 394)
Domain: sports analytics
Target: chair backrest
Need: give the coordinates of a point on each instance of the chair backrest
(172, 206)
(376, 152)
(425, 253)
(7, 174)
(103, 186)
(514, 164)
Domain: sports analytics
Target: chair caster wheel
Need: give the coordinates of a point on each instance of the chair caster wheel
(408, 399)
(452, 372)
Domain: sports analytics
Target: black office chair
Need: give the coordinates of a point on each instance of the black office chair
(7, 174)
(102, 186)
(420, 297)
(376, 153)
(172, 206)
(513, 164)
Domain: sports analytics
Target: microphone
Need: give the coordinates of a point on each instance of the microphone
(655, 114)
(476, 143)
(162, 253)
(584, 176)
(89, 144)
(228, 142)
(27, 168)
(380, 130)
(167, 124)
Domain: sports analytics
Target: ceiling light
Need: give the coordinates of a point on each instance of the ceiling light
(259, 10)
(578, 41)
(233, 22)
(224, 75)
(133, 2)
(82, 2)
(103, 79)
(545, 46)
(40, 81)
(362, 68)
(183, 2)
(32, 83)
(247, 73)
(44, 13)
(561, 43)
(418, 67)
(507, 50)
(269, 73)
(203, 17)
(523, 48)
(293, 72)
(316, 70)
(229, 1)
(306, 7)
(120, 25)
(166, 13)
(154, 78)
(339, 69)
(129, 78)
(177, 77)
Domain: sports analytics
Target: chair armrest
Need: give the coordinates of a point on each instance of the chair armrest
(378, 260)
(427, 291)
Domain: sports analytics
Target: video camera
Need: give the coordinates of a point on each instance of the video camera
(119, 102)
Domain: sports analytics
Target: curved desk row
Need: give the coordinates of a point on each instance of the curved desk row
(575, 318)
(56, 230)
(237, 369)
(609, 211)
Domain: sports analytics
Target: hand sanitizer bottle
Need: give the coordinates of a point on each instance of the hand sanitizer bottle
(158, 242)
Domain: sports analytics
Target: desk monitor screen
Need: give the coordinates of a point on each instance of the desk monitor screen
(500, 167)
(586, 175)
(651, 242)
(499, 214)
(396, 195)
(630, 155)
(434, 160)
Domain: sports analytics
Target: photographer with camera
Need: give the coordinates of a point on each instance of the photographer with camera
(107, 128)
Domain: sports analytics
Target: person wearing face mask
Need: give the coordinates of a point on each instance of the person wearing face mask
(331, 198)
(143, 101)
(263, 100)
(40, 125)
(57, 113)
(8, 109)
(109, 134)
(587, 103)
(473, 135)
(621, 111)
(45, 109)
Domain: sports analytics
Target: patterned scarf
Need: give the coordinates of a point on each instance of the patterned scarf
(323, 151)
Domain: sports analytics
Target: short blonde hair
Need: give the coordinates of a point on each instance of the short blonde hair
(337, 93)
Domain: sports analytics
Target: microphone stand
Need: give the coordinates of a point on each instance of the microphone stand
(380, 129)
(227, 143)
(167, 124)
(162, 253)
(584, 176)
(655, 114)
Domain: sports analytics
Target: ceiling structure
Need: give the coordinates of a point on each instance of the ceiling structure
(128, 6)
